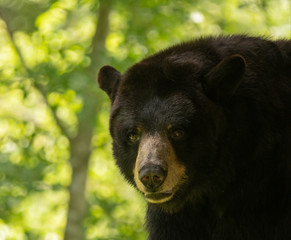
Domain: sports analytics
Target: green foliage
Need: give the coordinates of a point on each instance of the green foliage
(55, 40)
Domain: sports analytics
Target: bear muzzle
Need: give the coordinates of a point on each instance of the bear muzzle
(157, 171)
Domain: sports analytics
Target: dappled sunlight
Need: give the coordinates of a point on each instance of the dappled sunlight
(49, 59)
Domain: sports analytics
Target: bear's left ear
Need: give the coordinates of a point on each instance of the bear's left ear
(223, 80)
(109, 79)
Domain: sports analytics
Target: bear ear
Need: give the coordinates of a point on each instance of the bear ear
(223, 80)
(109, 79)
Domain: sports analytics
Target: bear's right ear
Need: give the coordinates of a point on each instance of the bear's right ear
(109, 79)
(223, 80)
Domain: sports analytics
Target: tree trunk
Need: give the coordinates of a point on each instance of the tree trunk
(80, 146)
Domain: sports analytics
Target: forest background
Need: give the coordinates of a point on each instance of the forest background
(57, 175)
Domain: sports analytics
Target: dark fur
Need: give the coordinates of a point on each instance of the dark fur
(237, 147)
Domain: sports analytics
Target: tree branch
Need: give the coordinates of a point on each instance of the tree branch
(81, 144)
(98, 42)
(54, 114)
(31, 74)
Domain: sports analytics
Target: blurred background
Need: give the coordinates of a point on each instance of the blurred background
(57, 175)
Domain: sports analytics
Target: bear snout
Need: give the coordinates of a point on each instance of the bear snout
(157, 173)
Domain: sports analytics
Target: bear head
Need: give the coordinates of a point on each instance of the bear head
(167, 115)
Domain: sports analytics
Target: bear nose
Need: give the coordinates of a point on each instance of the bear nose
(152, 176)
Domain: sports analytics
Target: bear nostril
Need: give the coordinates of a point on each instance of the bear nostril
(145, 179)
(157, 178)
(152, 176)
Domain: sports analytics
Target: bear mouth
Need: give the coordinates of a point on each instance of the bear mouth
(159, 197)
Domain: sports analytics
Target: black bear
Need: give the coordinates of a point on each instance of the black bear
(203, 130)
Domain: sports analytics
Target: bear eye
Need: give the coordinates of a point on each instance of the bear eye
(133, 136)
(177, 134)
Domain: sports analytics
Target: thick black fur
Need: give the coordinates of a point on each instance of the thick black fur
(237, 146)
